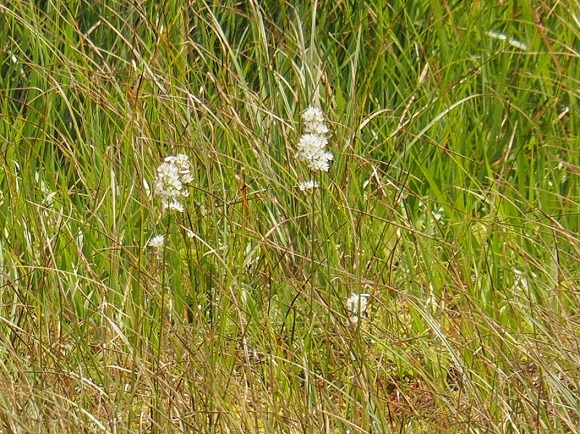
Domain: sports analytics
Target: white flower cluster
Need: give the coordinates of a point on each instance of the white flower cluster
(156, 242)
(312, 145)
(172, 175)
(314, 121)
(356, 305)
(307, 185)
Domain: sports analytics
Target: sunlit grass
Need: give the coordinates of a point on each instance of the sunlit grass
(451, 206)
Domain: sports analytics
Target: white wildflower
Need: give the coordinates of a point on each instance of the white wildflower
(308, 185)
(181, 161)
(312, 145)
(356, 305)
(157, 241)
(314, 121)
(172, 175)
(174, 205)
(312, 149)
(322, 162)
(167, 184)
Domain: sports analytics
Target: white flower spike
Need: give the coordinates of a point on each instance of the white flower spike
(172, 175)
(312, 144)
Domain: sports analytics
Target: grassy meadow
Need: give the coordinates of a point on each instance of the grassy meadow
(450, 212)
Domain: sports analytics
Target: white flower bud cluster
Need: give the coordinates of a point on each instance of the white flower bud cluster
(312, 145)
(172, 175)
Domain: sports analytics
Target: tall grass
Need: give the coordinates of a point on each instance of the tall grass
(453, 201)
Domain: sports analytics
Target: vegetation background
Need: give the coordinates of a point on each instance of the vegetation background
(453, 201)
